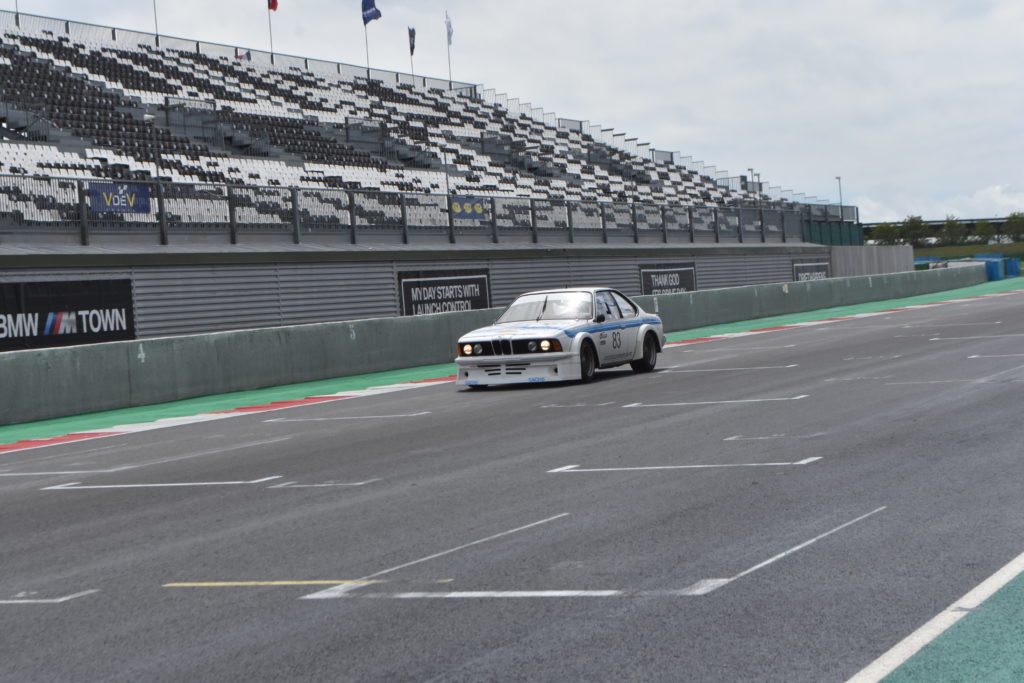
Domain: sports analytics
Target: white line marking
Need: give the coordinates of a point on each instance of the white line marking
(909, 646)
(579, 405)
(991, 336)
(162, 461)
(712, 403)
(739, 437)
(1005, 355)
(998, 322)
(734, 349)
(875, 357)
(66, 472)
(705, 586)
(338, 591)
(766, 367)
(940, 381)
(76, 485)
(708, 585)
(574, 468)
(497, 594)
(51, 601)
(856, 379)
(355, 417)
(294, 485)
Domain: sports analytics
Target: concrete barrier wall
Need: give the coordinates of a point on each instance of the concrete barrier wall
(47, 383)
(853, 261)
(714, 306)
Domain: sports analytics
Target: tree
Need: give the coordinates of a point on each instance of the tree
(953, 231)
(914, 231)
(886, 233)
(984, 231)
(1014, 226)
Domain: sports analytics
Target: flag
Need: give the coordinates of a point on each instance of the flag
(370, 11)
(272, 5)
(247, 56)
(412, 41)
(448, 24)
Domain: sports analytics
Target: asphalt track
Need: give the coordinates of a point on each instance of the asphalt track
(783, 506)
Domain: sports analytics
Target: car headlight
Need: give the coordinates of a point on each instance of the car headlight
(545, 345)
(531, 347)
(467, 350)
(478, 349)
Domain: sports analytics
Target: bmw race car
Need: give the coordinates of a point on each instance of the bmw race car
(560, 335)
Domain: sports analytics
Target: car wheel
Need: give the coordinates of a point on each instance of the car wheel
(588, 362)
(649, 358)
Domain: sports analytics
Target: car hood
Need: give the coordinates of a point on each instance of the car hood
(531, 329)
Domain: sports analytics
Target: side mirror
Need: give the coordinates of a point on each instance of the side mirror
(599, 318)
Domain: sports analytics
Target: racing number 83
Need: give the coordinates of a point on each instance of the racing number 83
(616, 340)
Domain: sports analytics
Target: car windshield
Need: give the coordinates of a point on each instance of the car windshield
(552, 306)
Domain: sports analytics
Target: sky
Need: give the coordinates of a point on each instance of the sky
(917, 105)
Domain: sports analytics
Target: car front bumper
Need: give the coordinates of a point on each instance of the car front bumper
(531, 368)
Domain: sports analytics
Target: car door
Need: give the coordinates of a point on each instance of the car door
(629, 329)
(609, 340)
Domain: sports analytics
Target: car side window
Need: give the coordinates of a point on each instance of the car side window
(628, 310)
(606, 305)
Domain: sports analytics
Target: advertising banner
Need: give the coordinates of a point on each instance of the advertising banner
(467, 207)
(118, 198)
(802, 272)
(668, 278)
(441, 291)
(41, 314)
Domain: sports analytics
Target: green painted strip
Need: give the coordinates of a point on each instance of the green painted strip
(986, 645)
(105, 420)
(995, 287)
(208, 404)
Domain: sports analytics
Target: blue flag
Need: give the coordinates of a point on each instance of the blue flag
(370, 11)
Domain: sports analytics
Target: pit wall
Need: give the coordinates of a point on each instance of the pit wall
(48, 383)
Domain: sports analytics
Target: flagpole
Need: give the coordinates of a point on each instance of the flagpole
(156, 25)
(448, 34)
(270, 28)
(366, 36)
(450, 66)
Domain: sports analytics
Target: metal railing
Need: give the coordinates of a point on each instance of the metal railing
(40, 205)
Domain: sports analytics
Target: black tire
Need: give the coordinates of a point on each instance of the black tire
(649, 358)
(588, 362)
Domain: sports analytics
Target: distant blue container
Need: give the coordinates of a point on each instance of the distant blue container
(987, 256)
(1012, 267)
(994, 269)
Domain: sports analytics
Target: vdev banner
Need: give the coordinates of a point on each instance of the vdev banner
(119, 198)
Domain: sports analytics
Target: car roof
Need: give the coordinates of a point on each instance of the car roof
(589, 290)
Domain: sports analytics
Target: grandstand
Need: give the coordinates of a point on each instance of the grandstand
(86, 102)
(234, 188)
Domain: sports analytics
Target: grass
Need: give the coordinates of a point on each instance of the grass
(1015, 249)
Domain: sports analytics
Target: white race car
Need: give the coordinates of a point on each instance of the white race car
(560, 335)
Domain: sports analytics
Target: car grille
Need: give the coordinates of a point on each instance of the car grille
(505, 347)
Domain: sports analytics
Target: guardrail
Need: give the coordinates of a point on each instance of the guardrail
(158, 210)
(49, 383)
